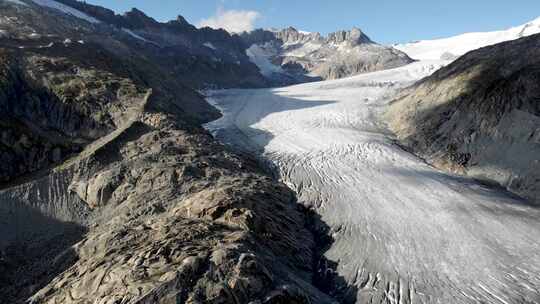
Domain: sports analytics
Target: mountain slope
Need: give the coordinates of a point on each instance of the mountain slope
(208, 58)
(111, 192)
(453, 47)
(197, 57)
(290, 56)
(480, 116)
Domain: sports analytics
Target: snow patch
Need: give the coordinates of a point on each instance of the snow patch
(301, 49)
(66, 9)
(261, 58)
(139, 37)
(51, 44)
(17, 2)
(209, 45)
(34, 36)
(132, 34)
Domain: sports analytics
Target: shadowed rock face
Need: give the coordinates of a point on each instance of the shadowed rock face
(110, 191)
(52, 107)
(479, 116)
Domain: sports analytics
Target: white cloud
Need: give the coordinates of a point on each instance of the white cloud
(233, 21)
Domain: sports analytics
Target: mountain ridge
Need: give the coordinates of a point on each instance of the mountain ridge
(176, 45)
(288, 56)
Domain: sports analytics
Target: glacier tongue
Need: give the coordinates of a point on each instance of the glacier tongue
(403, 231)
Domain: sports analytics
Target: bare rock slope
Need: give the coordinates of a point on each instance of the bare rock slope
(479, 116)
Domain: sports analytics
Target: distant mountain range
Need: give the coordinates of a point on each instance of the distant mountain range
(197, 57)
(290, 55)
(205, 58)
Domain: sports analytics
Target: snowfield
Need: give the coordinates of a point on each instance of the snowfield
(461, 44)
(403, 231)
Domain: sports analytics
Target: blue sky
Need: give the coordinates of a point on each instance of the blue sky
(384, 21)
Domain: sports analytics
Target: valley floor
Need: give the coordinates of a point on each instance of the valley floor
(403, 231)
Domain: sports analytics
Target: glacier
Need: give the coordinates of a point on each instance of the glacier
(403, 231)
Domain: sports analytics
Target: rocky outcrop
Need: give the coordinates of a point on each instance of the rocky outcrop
(479, 116)
(353, 37)
(291, 56)
(364, 58)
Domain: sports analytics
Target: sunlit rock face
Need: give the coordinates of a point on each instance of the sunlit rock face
(292, 56)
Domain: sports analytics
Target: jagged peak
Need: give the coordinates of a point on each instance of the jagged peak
(136, 13)
(139, 19)
(290, 34)
(291, 29)
(353, 36)
(180, 19)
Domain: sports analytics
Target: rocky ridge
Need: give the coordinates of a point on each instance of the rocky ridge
(113, 193)
(292, 56)
(209, 58)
